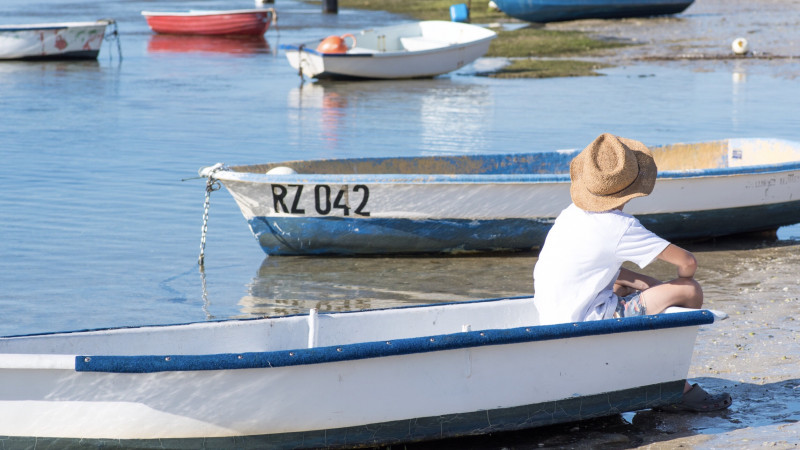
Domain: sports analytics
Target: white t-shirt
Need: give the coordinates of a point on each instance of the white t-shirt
(580, 261)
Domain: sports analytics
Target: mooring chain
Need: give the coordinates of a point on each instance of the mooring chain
(300, 60)
(113, 35)
(211, 185)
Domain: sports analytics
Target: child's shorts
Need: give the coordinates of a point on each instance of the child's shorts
(630, 305)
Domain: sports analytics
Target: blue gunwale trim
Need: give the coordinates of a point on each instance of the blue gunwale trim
(377, 349)
(410, 178)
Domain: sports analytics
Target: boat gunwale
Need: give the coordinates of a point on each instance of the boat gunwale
(377, 349)
(369, 53)
(52, 26)
(204, 13)
(234, 174)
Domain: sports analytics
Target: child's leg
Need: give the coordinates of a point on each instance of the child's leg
(685, 292)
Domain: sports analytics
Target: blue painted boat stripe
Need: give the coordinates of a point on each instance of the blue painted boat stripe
(350, 352)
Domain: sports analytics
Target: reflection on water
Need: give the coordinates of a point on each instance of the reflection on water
(453, 119)
(293, 285)
(311, 103)
(10, 70)
(738, 93)
(234, 45)
(448, 117)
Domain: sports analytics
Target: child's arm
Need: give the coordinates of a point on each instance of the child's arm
(634, 280)
(682, 259)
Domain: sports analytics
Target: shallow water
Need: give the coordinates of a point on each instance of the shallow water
(98, 229)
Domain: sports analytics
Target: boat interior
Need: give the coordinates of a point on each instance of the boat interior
(283, 333)
(417, 36)
(680, 157)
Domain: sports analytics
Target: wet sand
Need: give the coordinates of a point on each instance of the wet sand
(701, 37)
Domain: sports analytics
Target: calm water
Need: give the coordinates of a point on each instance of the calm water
(98, 229)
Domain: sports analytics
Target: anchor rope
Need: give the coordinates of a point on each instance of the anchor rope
(206, 301)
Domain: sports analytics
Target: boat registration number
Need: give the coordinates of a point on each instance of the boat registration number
(327, 200)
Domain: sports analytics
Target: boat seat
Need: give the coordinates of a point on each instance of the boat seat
(420, 43)
(360, 51)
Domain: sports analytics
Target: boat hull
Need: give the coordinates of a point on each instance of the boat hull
(56, 41)
(211, 23)
(297, 236)
(333, 392)
(562, 10)
(421, 50)
(501, 203)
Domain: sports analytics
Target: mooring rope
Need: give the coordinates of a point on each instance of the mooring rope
(206, 302)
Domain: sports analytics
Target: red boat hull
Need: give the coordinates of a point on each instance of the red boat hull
(253, 22)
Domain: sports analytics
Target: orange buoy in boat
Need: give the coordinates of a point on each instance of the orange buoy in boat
(335, 44)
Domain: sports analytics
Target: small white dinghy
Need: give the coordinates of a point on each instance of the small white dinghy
(337, 379)
(63, 40)
(412, 50)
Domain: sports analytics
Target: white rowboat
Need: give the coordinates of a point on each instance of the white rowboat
(65, 40)
(412, 50)
(432, 204)
(337, 379)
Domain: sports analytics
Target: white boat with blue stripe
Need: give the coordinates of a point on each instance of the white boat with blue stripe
(342, 379)
(505, 202)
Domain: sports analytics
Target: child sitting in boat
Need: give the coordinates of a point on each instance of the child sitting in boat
(579, 274)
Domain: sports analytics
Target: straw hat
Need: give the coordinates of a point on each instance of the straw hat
(611, 171)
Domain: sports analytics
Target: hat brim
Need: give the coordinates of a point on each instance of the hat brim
(641, 186)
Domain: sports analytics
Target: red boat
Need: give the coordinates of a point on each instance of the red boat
(238, 21)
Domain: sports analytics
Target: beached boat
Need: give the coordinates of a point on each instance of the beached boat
(412, 50)
(236, 21)
(502, 202)
(63, 40)
(561, 10)
(341, 379)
